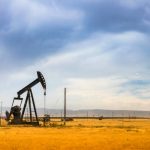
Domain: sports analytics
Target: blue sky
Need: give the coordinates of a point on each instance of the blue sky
(97, 49)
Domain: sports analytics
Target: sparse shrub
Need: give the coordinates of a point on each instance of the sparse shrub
(67, 119)
(80, 125)
(54, 124)
(101, 117)
(3, 123)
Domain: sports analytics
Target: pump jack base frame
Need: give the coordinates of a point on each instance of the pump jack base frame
(32, 109)
(30, 101)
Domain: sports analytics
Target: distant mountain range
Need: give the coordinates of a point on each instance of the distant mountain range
(89, 113)
(99, 112)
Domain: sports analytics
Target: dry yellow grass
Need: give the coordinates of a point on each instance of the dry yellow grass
(79, 134)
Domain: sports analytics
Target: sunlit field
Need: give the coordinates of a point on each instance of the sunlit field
(85, 134)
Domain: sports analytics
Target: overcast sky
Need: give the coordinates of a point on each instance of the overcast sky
(98, 49)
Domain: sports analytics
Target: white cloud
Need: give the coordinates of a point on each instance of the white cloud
(92, 71)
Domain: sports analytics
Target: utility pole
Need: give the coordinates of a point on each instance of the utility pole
(61, 116)
(87, 115)
(64, 106)
(1, 115)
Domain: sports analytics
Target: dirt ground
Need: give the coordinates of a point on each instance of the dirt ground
(79, 135)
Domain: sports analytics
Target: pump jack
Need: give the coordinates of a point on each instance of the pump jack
(18, 115)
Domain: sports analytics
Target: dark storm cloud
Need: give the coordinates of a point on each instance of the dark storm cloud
(35, 43)
(113, 15)
(26, 43)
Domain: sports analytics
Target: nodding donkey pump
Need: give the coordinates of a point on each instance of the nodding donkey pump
(18, 115)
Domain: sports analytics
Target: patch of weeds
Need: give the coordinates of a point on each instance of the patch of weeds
(55, 125)
(5, 128)
(132, 130)
(80, 125)
(14, 147)
(98, 126)
(124, 127)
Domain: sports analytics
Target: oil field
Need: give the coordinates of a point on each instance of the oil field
(63, 132)
(74, 75)
(107, 134)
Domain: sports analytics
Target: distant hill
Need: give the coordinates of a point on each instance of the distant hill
(90, 113)
(99, 112)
